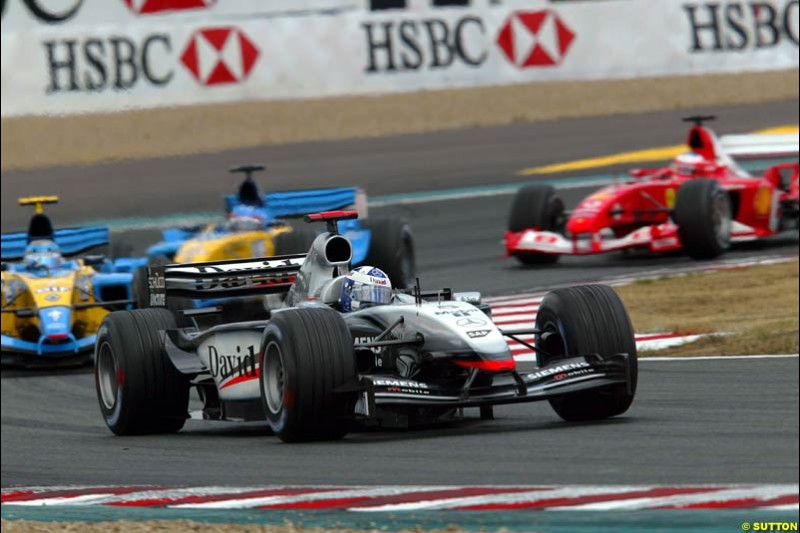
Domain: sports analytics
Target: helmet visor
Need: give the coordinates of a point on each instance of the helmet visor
(372, 294)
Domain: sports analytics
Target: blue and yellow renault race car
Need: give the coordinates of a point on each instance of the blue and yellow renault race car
(256, 226)
(54, 295)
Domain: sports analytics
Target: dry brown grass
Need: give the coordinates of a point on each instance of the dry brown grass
(757, 306)
(29, 142)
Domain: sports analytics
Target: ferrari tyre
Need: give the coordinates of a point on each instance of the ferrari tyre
(585, 320)
(139, 390)
(391, 248)
(536, 207)
(703, 215)
(307, 363)
(297, 241)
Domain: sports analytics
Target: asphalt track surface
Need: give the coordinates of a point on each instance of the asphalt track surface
(692, 422)
(733, 421)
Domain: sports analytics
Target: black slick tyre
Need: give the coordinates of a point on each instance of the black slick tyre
(307, 361)
(536, 207)
(139, 390)
(391, 248)
(703, 215)
(586, 320)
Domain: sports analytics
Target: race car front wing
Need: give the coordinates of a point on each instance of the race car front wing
(565, 376)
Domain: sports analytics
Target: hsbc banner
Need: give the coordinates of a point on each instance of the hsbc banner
(78, 56)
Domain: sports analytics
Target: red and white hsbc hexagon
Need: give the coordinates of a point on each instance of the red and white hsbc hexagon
(537, 38)
(146, 7)
(219, 55)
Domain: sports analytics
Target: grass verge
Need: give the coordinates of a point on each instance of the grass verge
(756, 306)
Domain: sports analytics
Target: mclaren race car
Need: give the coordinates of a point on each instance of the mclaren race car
(314, 370)
(256, 226)
(53, 301)
(701, 203)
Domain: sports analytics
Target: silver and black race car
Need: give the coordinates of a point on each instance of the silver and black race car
(278, 347)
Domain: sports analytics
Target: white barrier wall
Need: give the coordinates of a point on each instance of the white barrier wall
(75, 56)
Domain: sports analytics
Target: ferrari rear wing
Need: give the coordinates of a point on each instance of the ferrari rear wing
(223, 279)
(760, 146)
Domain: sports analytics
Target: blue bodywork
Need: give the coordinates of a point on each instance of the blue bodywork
(272, 208)
(56, 338)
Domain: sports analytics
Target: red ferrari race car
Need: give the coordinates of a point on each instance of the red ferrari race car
(702, 202)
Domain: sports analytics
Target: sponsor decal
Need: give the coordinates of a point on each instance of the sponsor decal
(55, 315)
(470, 322)
(92, 64)
(240, 364)
(49, 12)
(59, 11)
(478, 333)
(146, 7)
(669, 198)
(402, 383)
(53, 288)
(213, 56)
(742, 25)
(535, 38)
(527, 39)
(559, 369)
(456, 312)
(423, 44)
(220, 55)
(52, 297)
(763, 201)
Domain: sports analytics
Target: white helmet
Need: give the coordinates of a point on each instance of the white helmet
(365, 286)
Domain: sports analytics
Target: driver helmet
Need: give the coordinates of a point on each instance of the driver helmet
(688, 164)
(43, 254)
(245, 218)
(365, 286)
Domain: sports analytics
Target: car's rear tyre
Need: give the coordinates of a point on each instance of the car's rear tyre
(586, 320)
(704, 218)
(307, 359)
(138, 388)
(391, 248)
(536, 207)
(297, 241)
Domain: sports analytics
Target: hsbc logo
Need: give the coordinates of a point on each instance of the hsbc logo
(535, 39)
(219, 56)
(212, 56)
(527, 39)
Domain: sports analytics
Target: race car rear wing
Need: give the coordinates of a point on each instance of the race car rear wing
(760, 146)
(223, 279)
(71, 241)
(288, 204)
